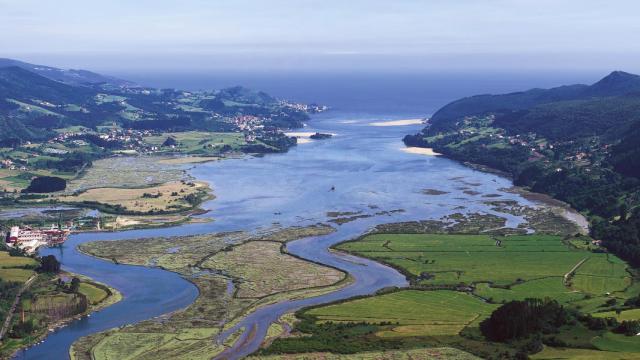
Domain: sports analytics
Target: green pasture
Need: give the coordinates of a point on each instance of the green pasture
(93, 293)
(417, 313)
(550, 353)
(551, 287)
(617, 342)
(7, 261)
(451, 259)
(198, 141)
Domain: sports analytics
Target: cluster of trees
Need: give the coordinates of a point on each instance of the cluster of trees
(530, 323)
(49, 264)
(340, 338)
(607, 112)
(46, 184)
(8, 291)
(54, 309)
(72, 286)
(519, 319)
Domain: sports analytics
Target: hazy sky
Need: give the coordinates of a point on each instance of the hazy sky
(324, 34)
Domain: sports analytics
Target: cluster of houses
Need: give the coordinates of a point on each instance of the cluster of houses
(310, 108)
(9, 164)
(247, 123)
(29, 240)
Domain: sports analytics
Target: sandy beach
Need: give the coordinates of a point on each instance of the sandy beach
(420, 151)
(398, 122)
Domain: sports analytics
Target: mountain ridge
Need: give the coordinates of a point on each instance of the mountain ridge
(617, 83)
(68, 76)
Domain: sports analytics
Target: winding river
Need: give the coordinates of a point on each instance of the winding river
(371, 175)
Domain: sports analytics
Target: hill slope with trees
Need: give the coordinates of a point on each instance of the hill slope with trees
(576, 143)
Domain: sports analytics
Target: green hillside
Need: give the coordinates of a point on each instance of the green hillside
(33, 102)
(577, 143)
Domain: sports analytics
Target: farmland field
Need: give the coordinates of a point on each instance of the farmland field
(416, 313)
(495, 268)
(617, 342)
(198, 142)
(551, 287)
(12, 267)
(126, 172)
(93, 293)
(16, 275)
(581, 354)
(7, 261)
(431, 353)
(528, 264)
(168, 197)
(633, 314)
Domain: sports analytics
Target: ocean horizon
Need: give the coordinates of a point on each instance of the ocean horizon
(380, 93)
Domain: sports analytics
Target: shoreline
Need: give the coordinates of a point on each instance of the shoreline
(568, 212)
(420, 151)
(114, 296)
(258, 303)
(401, 122)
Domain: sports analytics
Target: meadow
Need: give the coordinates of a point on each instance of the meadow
(486, 270)
(165, 198)
(413, 312)
(198, 142)
(16, 268)
(430, 353)
(126, 172)
(515, 266)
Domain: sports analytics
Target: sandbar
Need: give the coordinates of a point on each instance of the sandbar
(420, 151)
(398, 122)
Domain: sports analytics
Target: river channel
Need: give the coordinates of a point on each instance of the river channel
(370, 174)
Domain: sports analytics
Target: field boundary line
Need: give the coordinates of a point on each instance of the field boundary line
(571, 272)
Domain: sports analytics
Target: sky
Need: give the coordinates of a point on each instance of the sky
(323, 35)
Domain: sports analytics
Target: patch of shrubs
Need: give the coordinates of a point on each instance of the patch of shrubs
(520, 319)
(46, 184)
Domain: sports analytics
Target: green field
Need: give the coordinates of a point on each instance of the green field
(7, 261)
(12, 267)
(413, 354)
(633, 314)
(550, 353)
(551, 287)
(617, 342)
(93, 293)
(452, 259)
(415, 312)
(521, 267)
(198, 142)
(16, 275)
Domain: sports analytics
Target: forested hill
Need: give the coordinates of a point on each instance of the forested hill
(578, 143)
(36, 100)
(615, 84)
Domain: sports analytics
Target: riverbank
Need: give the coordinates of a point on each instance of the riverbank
(371, 178)
(461, 268)
(557, 206)
(45, 314)
(122, 193)
(236, 273)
